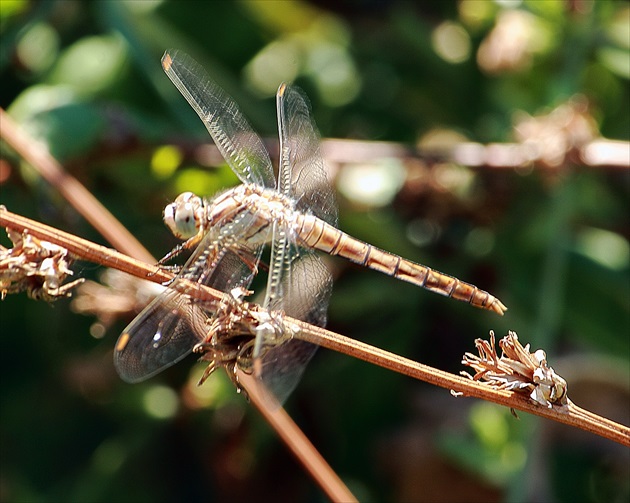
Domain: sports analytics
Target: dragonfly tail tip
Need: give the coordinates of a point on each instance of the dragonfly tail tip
(498, 307)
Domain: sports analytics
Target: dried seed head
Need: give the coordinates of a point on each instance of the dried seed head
(37, 267)
(517, 370)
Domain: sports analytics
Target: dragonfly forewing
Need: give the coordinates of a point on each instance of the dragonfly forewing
(241, 147)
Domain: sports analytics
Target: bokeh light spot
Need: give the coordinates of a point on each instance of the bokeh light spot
(160, 402)
(605, 247)
(38, 46)
(451, 42)
(373, 184)
(165, 161)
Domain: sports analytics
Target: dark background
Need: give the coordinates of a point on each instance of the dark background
(552, 244)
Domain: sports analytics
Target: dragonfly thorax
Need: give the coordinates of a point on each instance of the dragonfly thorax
(250, 210)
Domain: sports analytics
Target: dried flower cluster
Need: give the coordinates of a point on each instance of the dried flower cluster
(233, 331)
(35, 266)
(517, 370)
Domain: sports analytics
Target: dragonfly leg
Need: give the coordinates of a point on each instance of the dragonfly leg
(232, 369)
(217, 356)
(175, 269)
(206, 373)
(244, 357)
(190, 243)
(249, 259)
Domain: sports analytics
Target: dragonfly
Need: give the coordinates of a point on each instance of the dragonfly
(295, 214)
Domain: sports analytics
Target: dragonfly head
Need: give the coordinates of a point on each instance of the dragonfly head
(184, 216)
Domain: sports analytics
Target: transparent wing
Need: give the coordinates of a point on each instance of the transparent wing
(301, 177)
(299, 283)
(306, 292)
(167, 329)
(160, 336)
(302, 174)
(241, 147)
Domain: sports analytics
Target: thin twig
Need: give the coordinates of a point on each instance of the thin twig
(571, 415)
(600, 153)
(36, 154)
(297, 441)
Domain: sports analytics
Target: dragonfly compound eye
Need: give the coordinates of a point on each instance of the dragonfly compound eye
(183, 216)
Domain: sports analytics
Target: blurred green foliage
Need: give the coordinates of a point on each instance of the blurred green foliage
(85, 78)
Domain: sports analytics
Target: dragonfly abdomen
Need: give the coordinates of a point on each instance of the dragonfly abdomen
(318, 234)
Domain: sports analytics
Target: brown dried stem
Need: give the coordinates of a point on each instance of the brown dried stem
(571, 415)
(600, 153)
(36, 154)
(292, 436)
